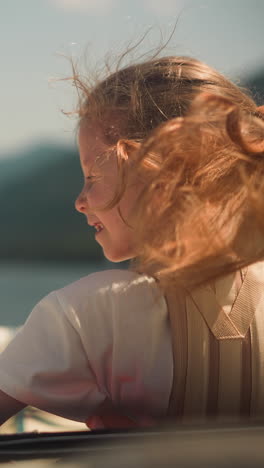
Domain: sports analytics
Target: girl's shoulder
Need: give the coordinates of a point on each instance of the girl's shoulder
(112, 300)
(113, 286)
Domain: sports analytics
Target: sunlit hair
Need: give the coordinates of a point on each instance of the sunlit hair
(201, 213)
(146, 94)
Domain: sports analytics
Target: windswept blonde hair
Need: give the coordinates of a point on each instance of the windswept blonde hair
(146, 94)
(201, 214)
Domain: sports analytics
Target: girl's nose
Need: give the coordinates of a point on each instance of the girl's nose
(80, 203)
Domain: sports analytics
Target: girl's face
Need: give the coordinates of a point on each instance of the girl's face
(114, 234)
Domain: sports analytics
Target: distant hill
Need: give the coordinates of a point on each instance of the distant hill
(38, 219)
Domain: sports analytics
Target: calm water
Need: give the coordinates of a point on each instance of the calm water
(22, 285)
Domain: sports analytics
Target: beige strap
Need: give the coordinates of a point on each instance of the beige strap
(236, 324)
(222, 325)
(213, 377)
(176, 303)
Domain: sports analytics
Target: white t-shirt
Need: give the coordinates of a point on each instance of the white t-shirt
(108, 337)
(105, 336)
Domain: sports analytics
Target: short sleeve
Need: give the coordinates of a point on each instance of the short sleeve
(46, 365)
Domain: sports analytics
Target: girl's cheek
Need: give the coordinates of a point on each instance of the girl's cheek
(97, 198)
(104, 193)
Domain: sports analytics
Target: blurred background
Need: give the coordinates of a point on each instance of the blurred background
(44, 243)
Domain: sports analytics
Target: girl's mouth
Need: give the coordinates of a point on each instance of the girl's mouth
(98, 227)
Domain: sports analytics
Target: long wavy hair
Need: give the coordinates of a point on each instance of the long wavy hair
(153, 91)
(202, 165)
(201, 214)
(146, 94)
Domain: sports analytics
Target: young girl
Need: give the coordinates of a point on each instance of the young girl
(179, 335)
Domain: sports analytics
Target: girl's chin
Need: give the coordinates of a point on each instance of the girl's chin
(117, 257)
(112, 252)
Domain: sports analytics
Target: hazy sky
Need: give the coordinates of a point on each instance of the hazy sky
(35, 34)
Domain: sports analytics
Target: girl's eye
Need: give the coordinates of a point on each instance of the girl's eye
(90, 181)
